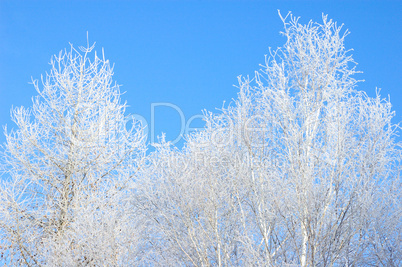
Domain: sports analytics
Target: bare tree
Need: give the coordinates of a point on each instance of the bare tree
(66, 170)
(302, 169)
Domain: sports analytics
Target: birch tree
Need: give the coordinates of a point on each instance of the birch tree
(301, 169)
(66, 167)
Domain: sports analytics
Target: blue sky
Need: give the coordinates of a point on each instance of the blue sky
(186, 53)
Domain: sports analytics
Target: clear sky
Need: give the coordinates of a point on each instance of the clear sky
(186, 53)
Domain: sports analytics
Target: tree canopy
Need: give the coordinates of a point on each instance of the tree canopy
(302, 168)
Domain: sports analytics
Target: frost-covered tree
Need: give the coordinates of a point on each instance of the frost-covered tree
(66, 169)
(301, 169)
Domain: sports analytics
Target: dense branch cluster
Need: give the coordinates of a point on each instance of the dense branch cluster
(302, 168)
